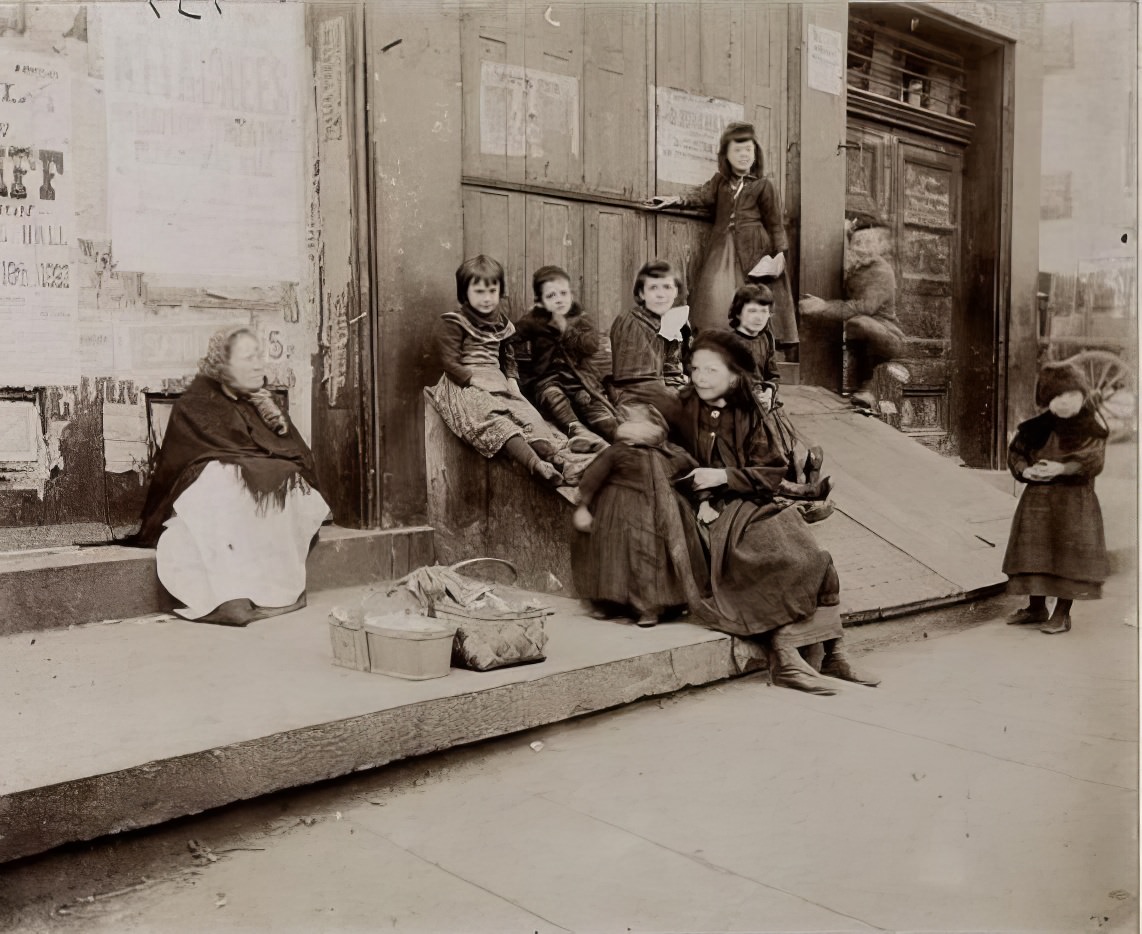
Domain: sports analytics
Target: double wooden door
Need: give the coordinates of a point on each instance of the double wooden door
(564, 130)
(914, 184)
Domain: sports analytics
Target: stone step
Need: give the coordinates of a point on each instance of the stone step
(119, 726)
(64, 587)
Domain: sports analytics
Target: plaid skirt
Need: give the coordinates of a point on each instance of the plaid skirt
(486, 420)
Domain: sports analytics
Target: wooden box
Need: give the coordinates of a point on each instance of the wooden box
(350, 643)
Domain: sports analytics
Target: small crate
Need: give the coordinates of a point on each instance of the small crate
(347, 634)
(413, 647)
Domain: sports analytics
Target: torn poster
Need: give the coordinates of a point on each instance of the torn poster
(523, 111)
(206, 141)
(39, 307)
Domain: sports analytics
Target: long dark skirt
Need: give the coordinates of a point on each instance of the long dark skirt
(625, 559)
(719, 278)
(1057, 546)
(766, 569)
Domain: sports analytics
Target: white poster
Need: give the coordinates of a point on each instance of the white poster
(826, 60)
(205, 140)
(39, 317)
(688, 130)
(522, 110)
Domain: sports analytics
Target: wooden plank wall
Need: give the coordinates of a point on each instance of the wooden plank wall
(413, 57)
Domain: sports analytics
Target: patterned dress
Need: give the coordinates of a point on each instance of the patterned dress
(469, 344)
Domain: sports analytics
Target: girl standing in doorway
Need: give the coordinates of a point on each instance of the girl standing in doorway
(747, 227)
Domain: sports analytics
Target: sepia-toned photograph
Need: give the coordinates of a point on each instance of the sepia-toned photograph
(518, 466)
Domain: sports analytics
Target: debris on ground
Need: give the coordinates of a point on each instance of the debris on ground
(536, 746)
(201, 852)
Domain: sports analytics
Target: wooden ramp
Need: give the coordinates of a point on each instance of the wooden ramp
(912, 528)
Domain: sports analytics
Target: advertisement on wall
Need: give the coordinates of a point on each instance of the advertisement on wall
(38, 296)
(688, 131)
(205, 141)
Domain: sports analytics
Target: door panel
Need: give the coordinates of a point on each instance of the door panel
(493, 114)
(682, 241)
(734, 52)
(494, 224)
(916, 188)
(615, 246)
(554, 237)
(614, 70)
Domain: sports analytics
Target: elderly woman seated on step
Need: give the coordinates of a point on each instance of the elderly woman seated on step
(233, 502)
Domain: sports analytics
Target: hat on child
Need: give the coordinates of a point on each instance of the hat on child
(738, 131)
(1057, 378)
(727, 343)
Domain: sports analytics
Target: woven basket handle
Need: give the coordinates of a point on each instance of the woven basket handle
(470, 561)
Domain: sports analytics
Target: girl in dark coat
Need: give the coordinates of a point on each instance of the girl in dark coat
(1057, 548)
(768, 576)
(750, 318)
(637, 557)
(747, 226)
(646, 368)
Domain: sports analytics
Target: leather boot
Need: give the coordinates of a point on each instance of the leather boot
(829, 593)
(813, 463)
(787, 669)
(837, 665)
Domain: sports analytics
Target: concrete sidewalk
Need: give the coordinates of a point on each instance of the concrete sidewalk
(988, 785)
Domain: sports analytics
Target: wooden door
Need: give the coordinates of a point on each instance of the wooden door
(926, 216)
(914, 185)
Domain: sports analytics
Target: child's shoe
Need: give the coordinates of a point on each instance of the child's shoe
(815, 511)
(1055, 626)
(649, 617)
(548, 473)
(584, 441)
(1028, 615)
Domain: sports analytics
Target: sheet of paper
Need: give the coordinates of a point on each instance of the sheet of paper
(21, 436)
(522, 109)
(768, 267)
(826, 60)
(670, 324)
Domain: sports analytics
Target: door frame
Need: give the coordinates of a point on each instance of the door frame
(984, 354)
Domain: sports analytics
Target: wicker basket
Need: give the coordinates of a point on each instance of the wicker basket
(485, 641)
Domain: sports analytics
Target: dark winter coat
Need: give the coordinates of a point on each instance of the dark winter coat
(564, 358)
(1057, 530)
(645, 368)
(766, 569)
(754, 220)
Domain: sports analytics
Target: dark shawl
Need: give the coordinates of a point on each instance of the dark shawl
(766, 569)
(207, 425)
